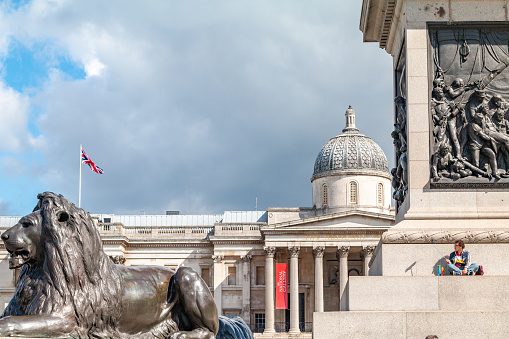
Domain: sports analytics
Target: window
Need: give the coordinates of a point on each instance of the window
(380, 194)
(107, 220)
(232, 275)
(231, 315)
(205, 275)
(353, 192)
(259, 322)
(260, 275)
(325, 195)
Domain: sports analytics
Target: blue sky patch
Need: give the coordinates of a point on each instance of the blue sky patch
(29, 66)
(14, 5)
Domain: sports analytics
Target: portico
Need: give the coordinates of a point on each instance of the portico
(320, 259)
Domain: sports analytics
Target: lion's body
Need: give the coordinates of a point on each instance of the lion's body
(68, 286)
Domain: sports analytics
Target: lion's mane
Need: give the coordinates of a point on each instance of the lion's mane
(77, 277)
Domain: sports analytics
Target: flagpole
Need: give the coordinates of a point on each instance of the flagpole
(79, 197)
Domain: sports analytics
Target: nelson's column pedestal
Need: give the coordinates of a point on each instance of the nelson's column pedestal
(450, 177)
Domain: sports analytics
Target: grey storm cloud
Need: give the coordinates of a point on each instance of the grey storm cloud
(203, 106)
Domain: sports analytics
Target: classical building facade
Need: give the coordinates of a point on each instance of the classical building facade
(235, 252)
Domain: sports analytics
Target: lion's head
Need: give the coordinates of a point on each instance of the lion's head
(63, 266)
(23, 240)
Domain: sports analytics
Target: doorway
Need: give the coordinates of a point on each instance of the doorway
(302, 313)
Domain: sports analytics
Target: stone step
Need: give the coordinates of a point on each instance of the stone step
(435, 293)
(459, 324)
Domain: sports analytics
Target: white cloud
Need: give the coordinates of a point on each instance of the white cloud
(14, 135)
(94, 68)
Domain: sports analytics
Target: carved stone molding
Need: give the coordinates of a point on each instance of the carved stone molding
(318, 251)
(118, 259)
(246, 258)
(217, 258)
(294, 251)
(270, 252)
(367, 251)
(343, 252)
(445, 237)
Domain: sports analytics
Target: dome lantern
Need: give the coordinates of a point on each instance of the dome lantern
(350, 121)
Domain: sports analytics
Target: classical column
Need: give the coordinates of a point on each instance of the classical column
(246, 288)
(318, 254)
(270, 252)
(294, 289)
(218, 280)
(342, 255)
(367, 253)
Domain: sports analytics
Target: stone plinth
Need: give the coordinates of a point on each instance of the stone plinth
(413, 307)
(446, 293)
(414, 325)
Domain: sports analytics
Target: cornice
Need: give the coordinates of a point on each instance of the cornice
(352, 172)
(214, 239)
(327, 231)
(238, 242)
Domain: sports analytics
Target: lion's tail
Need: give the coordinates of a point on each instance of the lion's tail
(233, 328)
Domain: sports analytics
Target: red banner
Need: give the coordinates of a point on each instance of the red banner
(281, 286)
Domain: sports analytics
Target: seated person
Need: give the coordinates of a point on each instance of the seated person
(459, 261)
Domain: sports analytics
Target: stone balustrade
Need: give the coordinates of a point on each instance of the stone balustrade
(118, 229)
(194, 232)
(238, 229)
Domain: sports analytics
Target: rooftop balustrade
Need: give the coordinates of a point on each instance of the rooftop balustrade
(238, 229)
(187, 232)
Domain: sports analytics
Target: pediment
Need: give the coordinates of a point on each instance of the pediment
(348, 220)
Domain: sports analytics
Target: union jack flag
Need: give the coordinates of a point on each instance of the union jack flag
(86, 160)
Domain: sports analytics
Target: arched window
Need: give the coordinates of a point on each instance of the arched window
(380, 194)
(325, 195)
(353, 192)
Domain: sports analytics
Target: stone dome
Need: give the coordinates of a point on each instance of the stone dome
(351, 152)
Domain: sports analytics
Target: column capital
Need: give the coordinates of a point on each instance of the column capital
(294, 251)
(118, 259)
(270, 252)
(217, 258)
(343, 252)
(246, 258)
(318, 251)
(367, 251)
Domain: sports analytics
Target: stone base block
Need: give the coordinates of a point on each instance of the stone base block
(447, 293)
(416, 324)
(423, 259)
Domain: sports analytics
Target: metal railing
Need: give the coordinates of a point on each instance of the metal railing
(258, 328)
(306, 327)
(285, 327)
(282, 326)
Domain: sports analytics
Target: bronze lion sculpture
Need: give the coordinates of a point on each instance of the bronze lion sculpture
(68, 286)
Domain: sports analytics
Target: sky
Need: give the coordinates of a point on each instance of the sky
(196, 106)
